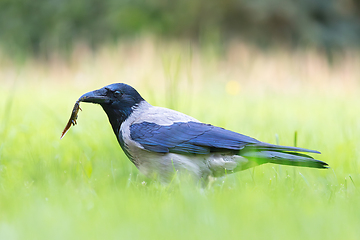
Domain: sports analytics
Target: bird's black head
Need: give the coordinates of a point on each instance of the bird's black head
(117, 100)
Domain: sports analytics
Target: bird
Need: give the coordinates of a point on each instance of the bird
(162, 142)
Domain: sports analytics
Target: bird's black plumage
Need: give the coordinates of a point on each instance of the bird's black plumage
(117, 100)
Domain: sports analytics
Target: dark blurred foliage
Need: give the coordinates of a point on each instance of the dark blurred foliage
(39, 25)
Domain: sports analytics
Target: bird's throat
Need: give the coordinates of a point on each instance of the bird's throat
(117, 117)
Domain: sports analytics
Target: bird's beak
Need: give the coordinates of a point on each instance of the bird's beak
(97, 96)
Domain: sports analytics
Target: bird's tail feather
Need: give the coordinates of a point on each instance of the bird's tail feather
(272, 147)
(284, 158)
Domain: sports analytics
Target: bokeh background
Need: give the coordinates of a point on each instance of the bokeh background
(285, 72)
(44, 25)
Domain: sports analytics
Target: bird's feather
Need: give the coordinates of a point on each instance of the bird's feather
(196, 138)
(284, 158)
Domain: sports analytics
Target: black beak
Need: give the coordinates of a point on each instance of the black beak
(97, 96)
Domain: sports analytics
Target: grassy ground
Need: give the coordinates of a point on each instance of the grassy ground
(83, 187)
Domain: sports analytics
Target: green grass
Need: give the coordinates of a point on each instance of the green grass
(84, 187)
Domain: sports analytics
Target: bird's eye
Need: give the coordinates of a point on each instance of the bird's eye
(117, 94)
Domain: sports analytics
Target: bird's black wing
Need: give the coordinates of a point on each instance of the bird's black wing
(195, 137)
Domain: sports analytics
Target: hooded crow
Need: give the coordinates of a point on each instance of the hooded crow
(161, 141)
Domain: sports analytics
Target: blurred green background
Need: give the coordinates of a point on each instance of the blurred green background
(42, 25)
(267, 69)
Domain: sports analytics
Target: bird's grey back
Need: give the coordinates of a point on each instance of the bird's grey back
(161, 116)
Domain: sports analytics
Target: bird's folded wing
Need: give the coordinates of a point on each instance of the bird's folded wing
(187, 137)
(198, 138)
